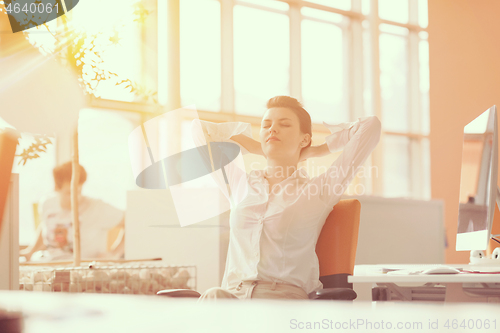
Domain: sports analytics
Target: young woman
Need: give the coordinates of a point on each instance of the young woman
(54, 235)
(277, 213)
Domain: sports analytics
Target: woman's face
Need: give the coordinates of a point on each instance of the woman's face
(280, 133)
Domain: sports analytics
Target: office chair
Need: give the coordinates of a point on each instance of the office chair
(8, 143)
(112, 236)
(336, 251)
(36, 215)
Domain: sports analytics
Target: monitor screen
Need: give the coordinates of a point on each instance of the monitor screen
(478, 182)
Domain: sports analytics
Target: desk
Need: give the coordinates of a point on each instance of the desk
(75, 313)
(462, 287)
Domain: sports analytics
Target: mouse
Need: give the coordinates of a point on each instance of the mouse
(441, 270)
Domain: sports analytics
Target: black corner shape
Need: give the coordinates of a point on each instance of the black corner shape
(26, 14)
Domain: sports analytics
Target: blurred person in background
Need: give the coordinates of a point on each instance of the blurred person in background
(54, 235)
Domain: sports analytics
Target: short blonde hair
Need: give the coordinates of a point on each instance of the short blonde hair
(297, 108)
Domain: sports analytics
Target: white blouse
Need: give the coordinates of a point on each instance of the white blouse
(273, 235)
(96, 218)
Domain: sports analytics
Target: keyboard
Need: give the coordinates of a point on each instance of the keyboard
(483, 269)
(410, 268)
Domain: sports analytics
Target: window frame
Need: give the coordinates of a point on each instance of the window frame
(168, 42)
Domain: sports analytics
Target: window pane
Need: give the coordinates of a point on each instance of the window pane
(104, 153)
(261, 58)
(393, 10)
(200, 54)
(424, 85)
(115, 30)
(365, 7)
(367, 71)
(340, 4)
(35, 181)
(396, 166)
(41, 37)
(423, 20)
(394, 82)
(108, 47)
(4, 124)
(323, 68)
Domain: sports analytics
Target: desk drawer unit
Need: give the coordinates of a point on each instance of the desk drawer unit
(434, 292)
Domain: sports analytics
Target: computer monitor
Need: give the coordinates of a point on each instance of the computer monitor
(478, 182)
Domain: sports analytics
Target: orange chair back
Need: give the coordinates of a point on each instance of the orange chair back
(36, 215)
(338, 240)
(113, 234)
(8, 143)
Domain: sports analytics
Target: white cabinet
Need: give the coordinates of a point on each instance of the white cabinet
(152, 230)
(400, 231)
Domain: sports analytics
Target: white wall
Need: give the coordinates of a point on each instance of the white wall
(153, 230)
(398, 231)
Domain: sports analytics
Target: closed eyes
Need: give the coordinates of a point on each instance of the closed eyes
(281, 125)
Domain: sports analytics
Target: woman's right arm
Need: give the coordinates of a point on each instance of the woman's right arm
(238, 132)
(253, 146)
(36, 246)
(231, 179)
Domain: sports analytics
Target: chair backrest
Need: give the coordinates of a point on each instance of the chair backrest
(8, 143)
(113, 234)
(36, 215)
(337, 243)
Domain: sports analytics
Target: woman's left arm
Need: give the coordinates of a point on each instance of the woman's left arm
(364, 129)
(314, 151)
(356, 140)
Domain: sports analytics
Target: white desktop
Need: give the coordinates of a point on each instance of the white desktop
(478, 281)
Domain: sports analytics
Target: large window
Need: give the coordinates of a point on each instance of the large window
(343, 59)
